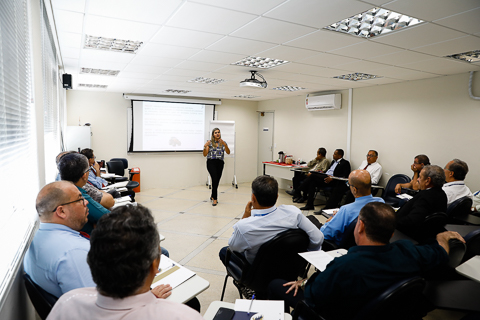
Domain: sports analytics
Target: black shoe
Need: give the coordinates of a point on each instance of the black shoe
(290, 192)
(301, 200)
(307, 207)
(318, 212)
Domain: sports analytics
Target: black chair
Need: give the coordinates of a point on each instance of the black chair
(348, 239)
(433, 225)
(399, 301)
(41, 299)
(125, 166)
(277, 258)
(117, 167)
(389, 194)
(473, 245)
(459, 212)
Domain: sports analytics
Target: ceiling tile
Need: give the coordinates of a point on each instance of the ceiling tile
(101, 64)
(401, 57)
(362, 66)
(68, 52)
(287, 53)
(458, 45)
(198, 65)
(216, 57)
(95, 79)
(121, 29)
(72, 40)
(205, 18)
(185, 38)
(146, 11)
(249, 6)
(468, 22)
(429, 10)
(109, 56)
(162, 50)
(145, 69)
(185, 72)
(324, 40)
(71, 63)
(405, 74)
(317, 13)
(419, 35)
(68, 21)
(270, 30)
(327, 60)
(155, 61)
(136, 75)
(365, 50)
(69, 5)
(442, 66)
(240, 46)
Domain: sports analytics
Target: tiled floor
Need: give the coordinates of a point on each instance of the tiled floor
(195, 231)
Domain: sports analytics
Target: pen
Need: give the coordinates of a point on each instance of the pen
(250, 308)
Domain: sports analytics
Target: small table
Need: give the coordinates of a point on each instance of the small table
(189, 289)
(215, 305)
(470, 268)
(280, 170)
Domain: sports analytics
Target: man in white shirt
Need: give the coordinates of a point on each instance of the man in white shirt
(262, 221)
(455, 188)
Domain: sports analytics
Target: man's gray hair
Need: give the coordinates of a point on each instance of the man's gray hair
(436, 174)
(459, 169)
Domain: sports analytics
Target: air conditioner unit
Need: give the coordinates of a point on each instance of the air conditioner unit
(323, 102)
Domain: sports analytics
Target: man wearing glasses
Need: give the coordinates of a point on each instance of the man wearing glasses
(57, 257)
(74, 168)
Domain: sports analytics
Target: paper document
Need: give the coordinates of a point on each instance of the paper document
(320, 259)
(107, 175)
(404, 196)
(123, 199)
(171, 273)
(330, 211)
(116, 185)
(470, 268)
(270, 309)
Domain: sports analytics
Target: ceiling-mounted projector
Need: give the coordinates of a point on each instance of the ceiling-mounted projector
(254, 83)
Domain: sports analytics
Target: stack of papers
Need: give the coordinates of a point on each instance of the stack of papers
(123, 199)
(171, 273)
(404, 196)
(330, 211)
(320, 259)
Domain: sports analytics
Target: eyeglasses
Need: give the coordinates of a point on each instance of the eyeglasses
(64, 204)
(371, 155)
(349, 185)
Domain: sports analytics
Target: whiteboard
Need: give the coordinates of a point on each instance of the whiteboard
(227, 129)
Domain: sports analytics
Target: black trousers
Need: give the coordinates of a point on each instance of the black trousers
(215, 169)
(276, 291)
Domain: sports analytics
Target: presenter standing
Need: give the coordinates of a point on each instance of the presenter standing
(214, 150)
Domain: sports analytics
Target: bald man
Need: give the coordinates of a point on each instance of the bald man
(57, 257)
(360, 185)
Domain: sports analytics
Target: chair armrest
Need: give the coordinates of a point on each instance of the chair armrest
(236, 264)
(329, 245)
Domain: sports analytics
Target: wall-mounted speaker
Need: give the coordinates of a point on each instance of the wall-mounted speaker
(67, 81)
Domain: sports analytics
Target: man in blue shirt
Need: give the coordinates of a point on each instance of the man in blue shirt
(57, 257)
(74, 168)
(360, 185)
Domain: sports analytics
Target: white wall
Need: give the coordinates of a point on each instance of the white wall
(108, 117)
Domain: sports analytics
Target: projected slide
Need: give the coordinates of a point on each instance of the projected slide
(168, 126)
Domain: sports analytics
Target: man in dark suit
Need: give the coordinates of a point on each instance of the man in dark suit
(338, 168)
(430, 199)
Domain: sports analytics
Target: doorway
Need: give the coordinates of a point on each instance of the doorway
(265, 138)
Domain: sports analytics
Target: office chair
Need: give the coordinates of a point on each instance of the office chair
(41, 299)
(389, 194)
(117, 167)
(473, 245)
(459, 212)
(125, 166)
(347, 241)
(432, 225)
(276, 258)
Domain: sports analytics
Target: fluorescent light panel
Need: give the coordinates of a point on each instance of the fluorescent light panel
(288, 88)
(373, 22)
(89, 85)
(101, 72)
(206, 80)
(246, 96)
(470, 56)
(357, 76)
(111, 44)
(177, 91)
(260, 62)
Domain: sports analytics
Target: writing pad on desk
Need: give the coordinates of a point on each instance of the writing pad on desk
(243, 315)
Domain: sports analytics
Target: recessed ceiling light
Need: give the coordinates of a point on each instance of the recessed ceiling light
(88, 85)
(357, 76)
(111, 44)
(246, 96)
(177, 91)
(101, 72)
(373, 22)
(470, 56)
(207, 80)
(259, 62)
(288, 88)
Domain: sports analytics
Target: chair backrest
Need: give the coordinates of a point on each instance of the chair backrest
(397, 302)
(432, 225)
(348, 239)
(459, 207)
(124, 161)
(389, 191)
(473, 245)
(41, 299)
(277, 258)
(457, 250)
(116, 167)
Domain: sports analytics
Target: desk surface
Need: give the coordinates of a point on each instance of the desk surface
(463, 230)
(215, 305)
(470, 268)
(456, 295)
(189, 289)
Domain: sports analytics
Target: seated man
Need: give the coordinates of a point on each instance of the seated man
(94, 174)
(319, 164)
(349, 282)
(419, 162)
(373, 167)
(265, 221)
(124, 259)
(74, 168)
(338, 168)
(57, 257)
(455, 188)
(360, 186)
(430, 199)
